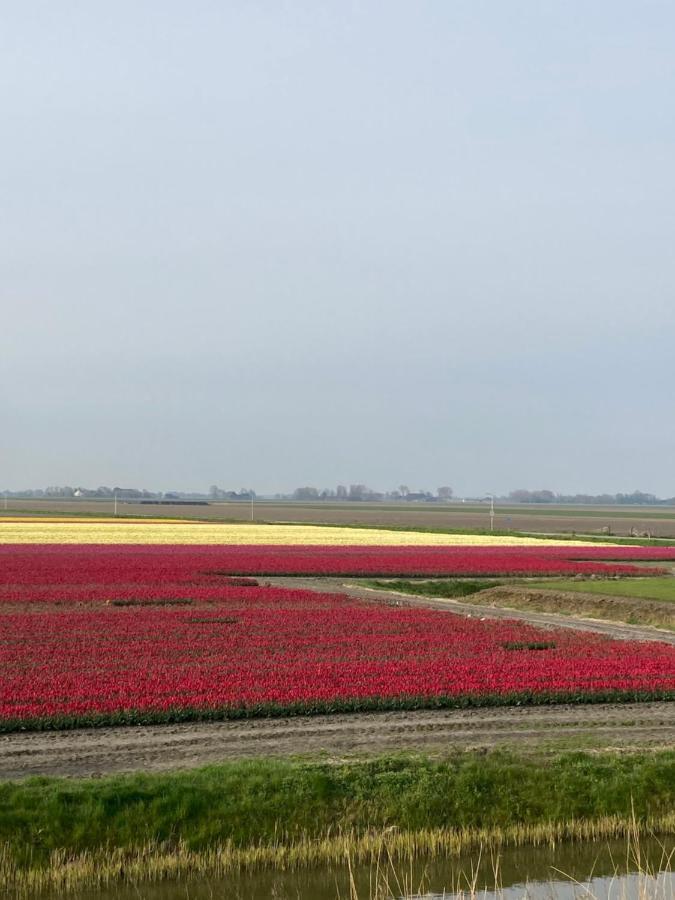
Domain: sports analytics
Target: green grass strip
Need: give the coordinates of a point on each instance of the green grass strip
(267, 801)
(652, 588)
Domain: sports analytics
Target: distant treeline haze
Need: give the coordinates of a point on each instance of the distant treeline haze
(353, 492)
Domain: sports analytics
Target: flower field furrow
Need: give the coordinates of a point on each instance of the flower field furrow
(278, 648)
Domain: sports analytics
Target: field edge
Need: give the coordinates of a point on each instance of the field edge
(178, 715)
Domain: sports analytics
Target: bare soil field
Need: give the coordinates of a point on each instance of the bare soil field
(102, 751)
(658, 521)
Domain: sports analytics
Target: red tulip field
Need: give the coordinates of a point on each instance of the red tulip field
(91, 634)
(28, 567)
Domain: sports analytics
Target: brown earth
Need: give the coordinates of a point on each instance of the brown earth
(150, 748)
(659, 521)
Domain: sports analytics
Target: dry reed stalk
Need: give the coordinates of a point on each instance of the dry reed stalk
(105, 867)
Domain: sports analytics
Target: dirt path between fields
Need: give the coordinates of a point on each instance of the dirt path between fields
(614, 629)
(102, 751)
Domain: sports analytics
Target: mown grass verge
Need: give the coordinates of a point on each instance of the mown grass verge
(312, 708)
(651, 588)
(60, 834)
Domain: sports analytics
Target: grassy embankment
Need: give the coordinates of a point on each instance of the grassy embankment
(68, 834)
(636, 601)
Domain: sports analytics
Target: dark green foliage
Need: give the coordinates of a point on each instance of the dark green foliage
(325, 707)
(439, 587)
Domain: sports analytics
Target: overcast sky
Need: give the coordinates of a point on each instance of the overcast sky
(282, 243)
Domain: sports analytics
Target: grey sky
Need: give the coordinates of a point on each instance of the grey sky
(282, 243)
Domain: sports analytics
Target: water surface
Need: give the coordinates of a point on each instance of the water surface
(606, 870)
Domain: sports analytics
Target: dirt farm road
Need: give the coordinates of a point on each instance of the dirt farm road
(101, 751)
(619, 630)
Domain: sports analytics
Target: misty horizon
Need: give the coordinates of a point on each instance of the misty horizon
(427, 243)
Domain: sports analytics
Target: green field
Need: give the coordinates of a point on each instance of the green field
(658, 588)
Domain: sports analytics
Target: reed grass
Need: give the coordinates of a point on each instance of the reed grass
(67, 834)
(389, 879)
(155, 862)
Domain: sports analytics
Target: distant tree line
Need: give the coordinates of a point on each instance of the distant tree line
(637, 498)
(352, 492)
(126, 493)
(67, 492)
(363, 493)
(216, 493)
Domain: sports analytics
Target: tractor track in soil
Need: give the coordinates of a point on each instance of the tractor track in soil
(157, 748)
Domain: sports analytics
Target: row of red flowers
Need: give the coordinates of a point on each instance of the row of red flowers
(268, 647)
(90, 571)
(209, 647)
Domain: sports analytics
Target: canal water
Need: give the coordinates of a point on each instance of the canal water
(606, 871)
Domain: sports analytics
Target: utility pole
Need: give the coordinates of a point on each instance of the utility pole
(115, 496)
(491, 498)
(252, 495)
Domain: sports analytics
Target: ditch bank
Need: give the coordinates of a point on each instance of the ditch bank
(633, 611)
(64, 835)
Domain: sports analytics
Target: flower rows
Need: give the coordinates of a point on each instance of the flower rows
(67, 572)
(262, 649)
(114, 531)
(140, 634)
